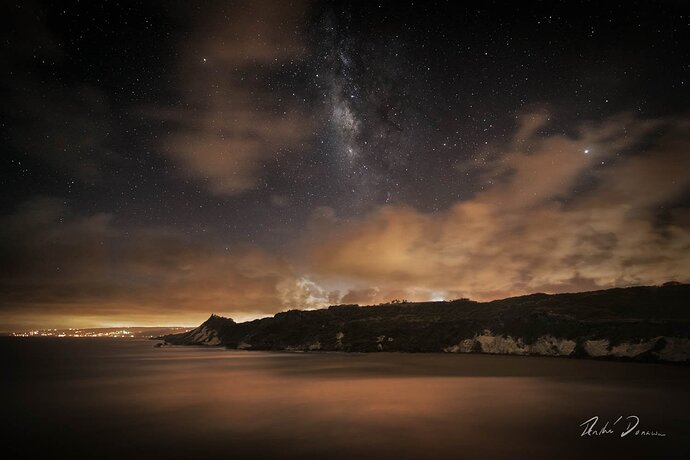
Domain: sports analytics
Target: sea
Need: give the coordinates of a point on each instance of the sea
(98, 398)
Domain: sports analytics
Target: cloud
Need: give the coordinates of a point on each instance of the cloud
(551, 218)
(305, 294)
(65, 268)
(364, 296)
(233, 120)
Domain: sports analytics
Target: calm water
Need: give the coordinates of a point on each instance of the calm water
(97, 398)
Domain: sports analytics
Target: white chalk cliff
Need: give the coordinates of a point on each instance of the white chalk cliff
(674, 349)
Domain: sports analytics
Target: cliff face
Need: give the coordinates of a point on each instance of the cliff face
(641, 323)
(208, 333)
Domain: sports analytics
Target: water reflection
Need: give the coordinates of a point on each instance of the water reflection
(127, 399)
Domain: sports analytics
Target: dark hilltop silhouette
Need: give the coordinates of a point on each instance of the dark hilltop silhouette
(649, 323)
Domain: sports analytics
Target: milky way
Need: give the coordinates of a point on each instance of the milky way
(167, 160)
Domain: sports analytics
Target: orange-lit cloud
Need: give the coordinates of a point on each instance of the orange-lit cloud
(229, 123)
(551, 218)
(558, 213)
(65, 269)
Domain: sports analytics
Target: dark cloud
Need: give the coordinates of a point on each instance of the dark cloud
(165, 160)
(517, 235)
(514, 237)
(231, 120)
(58, 264)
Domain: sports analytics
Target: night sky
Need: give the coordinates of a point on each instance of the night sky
(165, 160)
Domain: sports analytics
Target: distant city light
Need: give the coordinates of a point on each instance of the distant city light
(132, 333)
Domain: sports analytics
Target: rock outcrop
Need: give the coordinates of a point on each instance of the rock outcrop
(642, 323)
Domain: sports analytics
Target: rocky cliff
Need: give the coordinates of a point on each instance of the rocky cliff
(641, 323)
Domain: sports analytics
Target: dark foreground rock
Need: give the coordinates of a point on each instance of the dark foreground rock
(649, 323)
